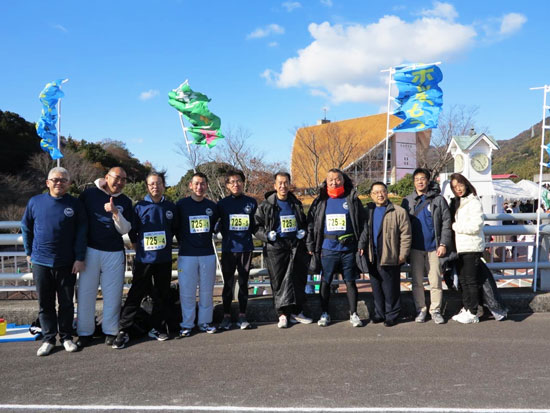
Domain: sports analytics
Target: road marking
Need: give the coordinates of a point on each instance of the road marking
(266, 409)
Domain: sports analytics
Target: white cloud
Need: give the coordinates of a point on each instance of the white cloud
(273, 44)
(511, 23)
(266, 31)
(317, 92)
(149, 94)
(269, 76)
(291, 5)
(445, 11)
(60, 28)
(327, 3)
(344, 62)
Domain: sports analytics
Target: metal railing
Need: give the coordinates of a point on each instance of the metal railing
(15, 274)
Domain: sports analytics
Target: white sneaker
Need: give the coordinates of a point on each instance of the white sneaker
(467, 317)
(324, 320)
(456, 316)
(44, 349)
(300, 318)
(283, 321)
(355, 320)
(70, 346)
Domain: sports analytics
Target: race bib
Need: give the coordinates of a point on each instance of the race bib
(199, 224)
(239, 222)
(336, 222)
(154, 240)
(288, 223)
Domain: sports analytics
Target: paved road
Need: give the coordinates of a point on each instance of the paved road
(490, 365)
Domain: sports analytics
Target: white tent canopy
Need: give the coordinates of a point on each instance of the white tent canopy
(510, 191)
(530, 187)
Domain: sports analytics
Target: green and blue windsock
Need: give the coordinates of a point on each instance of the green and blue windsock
(46, 127)
(205, 126)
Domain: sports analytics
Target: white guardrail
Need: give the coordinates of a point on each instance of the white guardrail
(510, 266)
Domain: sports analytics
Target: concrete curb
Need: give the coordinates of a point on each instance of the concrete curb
(260, 309)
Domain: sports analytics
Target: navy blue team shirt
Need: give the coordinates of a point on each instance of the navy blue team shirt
(54, 230)
(336, 212)
(196, 226)
(153, 229)
(237, 223)
(102, 234)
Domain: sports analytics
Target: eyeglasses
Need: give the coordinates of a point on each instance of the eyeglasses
(58, 180)
(153, 184)
(117, 178)
(236, 182)
(379, 193)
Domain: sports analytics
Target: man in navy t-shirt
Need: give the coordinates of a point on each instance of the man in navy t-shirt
(154, 226)
(54, 235)
(110, 214)
(236, 226)
(196, 257)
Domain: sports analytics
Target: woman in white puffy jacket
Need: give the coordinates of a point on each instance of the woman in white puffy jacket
(467, 217)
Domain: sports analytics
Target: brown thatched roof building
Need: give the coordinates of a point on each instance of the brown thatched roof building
(356, 146)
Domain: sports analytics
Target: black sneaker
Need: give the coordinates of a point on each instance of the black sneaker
(119, 341)
(225, 324)
(84, 341)
(109, 339)
(157, 335)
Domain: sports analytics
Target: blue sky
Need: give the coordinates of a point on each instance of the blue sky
(268, 66)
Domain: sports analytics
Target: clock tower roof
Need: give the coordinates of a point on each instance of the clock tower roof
(466, 142)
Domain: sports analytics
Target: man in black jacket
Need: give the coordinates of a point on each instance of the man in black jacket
(431, 238)
(280, 223)
(337, 237)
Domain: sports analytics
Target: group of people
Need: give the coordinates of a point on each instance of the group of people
(64, 236)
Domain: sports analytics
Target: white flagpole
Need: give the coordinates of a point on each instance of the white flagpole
(59, 124)
(184, 129)
(542, 148)
(58, 131)
(391, 70)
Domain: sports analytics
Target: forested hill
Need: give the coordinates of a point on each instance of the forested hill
(24, 166)
(521, 154)
(20, 143)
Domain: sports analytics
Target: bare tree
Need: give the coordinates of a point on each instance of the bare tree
(341, 145)
(457, 120)
(319, 150)
(82, 171)
(193, 154)
(308, 165)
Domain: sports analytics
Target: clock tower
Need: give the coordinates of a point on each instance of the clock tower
(472, 158)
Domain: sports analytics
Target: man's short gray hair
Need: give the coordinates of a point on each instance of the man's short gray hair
(59, 170)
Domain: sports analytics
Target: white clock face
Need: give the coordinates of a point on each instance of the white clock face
(480, 162)
(459, 163)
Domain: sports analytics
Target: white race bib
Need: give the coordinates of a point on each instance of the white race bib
(154, 240)
(239, 222)
(199, 224)
(336, 222)
(288, 223)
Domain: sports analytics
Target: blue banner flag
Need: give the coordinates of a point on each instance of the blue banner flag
(420, 99)
(46, 127)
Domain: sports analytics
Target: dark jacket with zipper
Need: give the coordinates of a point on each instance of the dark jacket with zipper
(316, 225)
(439, 210)
(265, 217)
